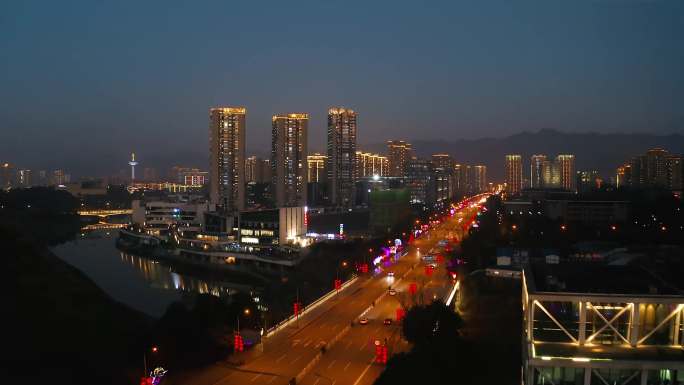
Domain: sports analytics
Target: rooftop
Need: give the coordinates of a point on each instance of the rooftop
(553, 350)
(597, 278)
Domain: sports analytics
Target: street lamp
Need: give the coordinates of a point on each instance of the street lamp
(154, 350)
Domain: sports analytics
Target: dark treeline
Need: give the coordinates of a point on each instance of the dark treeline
(59, 327)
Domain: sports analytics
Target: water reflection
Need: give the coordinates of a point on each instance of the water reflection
(144, 283)
(163, 276)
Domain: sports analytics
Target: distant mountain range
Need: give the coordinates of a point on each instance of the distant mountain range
(602, 152)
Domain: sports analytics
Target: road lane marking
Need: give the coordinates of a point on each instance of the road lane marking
(308, 342)
(272, 379)
(256, 377)
(332, 363)
(223, 378)
(363, 345)
(281, 357)
(348, 345)
(347, 366)
(318, 379)
(362, 373)
(295, 360)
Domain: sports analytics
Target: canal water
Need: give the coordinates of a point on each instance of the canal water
(139, 282)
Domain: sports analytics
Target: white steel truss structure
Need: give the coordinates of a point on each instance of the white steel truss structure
(602, 332)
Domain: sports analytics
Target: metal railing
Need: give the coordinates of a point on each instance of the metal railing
(309, 307)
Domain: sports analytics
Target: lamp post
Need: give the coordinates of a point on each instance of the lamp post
(154, 350)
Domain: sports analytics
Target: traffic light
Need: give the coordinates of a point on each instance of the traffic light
(428, 270)
(384, 354)
(296, 308)
(400, 314)
(338, 284)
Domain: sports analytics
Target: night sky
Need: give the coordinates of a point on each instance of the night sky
(83, 83)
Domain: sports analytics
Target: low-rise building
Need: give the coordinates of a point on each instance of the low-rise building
(162, 218)
(274, 227)
(587, 212)
(596, 323)
(389, 209)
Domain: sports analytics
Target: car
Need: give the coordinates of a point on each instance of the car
(363, 321)
(392, 292)
(390, 274)
(387, 321)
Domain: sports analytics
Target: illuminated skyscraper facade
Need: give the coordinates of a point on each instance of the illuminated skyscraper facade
(513, 167)
(288, 159)
(227, 129)
(657, 168)
(443, 161)
(7, 176)
(399, 154)
(675, 172)
(551, 175)
(537, 171)
(317, 168)
(341, 155)
(250, 169)
(566, 167)
(368, 164)
(420, 181)
(460, 180)
(25, 178)
(478, 179)
(443, 172)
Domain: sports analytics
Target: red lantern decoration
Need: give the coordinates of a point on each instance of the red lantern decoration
(238, 342)
(413, 288)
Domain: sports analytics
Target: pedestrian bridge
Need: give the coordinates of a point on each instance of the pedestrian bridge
(105, 213)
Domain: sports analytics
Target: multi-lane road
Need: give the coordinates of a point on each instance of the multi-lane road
(296, 350)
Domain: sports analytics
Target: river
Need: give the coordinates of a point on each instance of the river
(139, 282)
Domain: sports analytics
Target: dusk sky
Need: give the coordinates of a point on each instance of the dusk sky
(83, 83)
